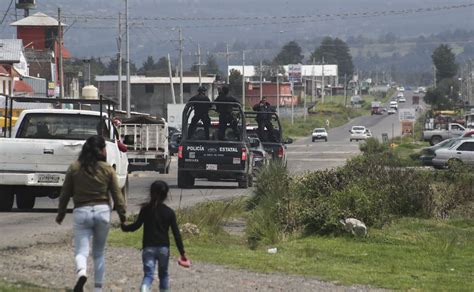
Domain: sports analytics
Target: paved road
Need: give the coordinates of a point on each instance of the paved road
(26, 228)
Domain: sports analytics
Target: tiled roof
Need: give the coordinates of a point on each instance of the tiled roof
(10, 50)
(37, 19)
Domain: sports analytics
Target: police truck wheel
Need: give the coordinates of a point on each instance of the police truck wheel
(185, 180)
(6, 199)
(25, 201)
(243, 183)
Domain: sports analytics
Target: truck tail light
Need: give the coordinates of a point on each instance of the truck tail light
(280, 152)
(180, 151)
(244, 154)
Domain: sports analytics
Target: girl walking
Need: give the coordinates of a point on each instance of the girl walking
(89, 180)
(157, 219)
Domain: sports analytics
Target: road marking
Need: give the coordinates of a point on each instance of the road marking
(322, 152)
(318, 159)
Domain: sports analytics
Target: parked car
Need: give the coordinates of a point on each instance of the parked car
(319, 134)
(437, 135)
(428, 153)
(358, 133)
(460, 153)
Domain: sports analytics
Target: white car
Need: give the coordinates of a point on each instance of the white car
(402, 99)
(359, 133)
(319, 134)
(394, 104)
(391, 111)
(460, 153)
(401, 89)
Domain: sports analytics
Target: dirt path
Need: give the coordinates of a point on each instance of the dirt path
(51, 265)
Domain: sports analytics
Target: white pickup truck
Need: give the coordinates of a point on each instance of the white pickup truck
(44, 143)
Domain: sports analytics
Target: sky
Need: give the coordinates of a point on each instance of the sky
(92, 24)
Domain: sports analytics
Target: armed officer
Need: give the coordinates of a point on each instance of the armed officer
(201, 113)
(225, 113)
(264, 120)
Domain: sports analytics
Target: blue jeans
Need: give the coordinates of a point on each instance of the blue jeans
(151, 255)
(91, 221)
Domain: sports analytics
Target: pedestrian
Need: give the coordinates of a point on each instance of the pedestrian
(264, 120)
(157, 219)
(89, 180)
(226, 114)
(201, 113)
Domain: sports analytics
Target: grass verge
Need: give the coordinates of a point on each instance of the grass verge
(21, 287)
(408, 254)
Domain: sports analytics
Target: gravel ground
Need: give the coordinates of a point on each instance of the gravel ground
(51, 265)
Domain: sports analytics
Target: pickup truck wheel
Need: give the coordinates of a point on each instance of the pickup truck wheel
(244, 183)
(250, 180)
(25, 201)
(185, 180)
(435, 140)
(312, 140)
(325, 140)
(6, 199)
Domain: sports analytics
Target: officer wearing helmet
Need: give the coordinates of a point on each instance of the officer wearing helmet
(201, 113)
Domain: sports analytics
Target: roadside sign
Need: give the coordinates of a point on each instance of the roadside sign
(294, 73)
(407, 115)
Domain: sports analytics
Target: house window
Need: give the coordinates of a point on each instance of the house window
(186, 88)
(149, 88)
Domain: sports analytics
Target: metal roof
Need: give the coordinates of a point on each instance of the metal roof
(37, 19)
(155, 80)
(10, 50)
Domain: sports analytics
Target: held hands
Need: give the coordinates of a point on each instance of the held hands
(184, 261)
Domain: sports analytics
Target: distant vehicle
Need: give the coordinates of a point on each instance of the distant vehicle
(402, 99)
(401, 89)
(422, 89)
(391, 111)
(437, 135)
(358, 133)
(376, 108)
(319, 134)
(460, 153)
(400, 94)
(356, 99)
(394, 104)
(415, 99)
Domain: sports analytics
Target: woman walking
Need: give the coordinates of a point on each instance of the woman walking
(157, 219)
(89, 180)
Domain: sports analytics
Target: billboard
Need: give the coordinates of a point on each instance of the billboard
(295, 73)
(407, 115)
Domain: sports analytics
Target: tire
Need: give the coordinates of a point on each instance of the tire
(6, 199)
(350, 140)
(185, 180)
(435, 140)
(243, 183)
(25, 201)
(250, 181)
(312, 140)
(325, 140)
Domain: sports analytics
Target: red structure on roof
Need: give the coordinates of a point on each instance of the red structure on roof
(21, 86)
(269, 90)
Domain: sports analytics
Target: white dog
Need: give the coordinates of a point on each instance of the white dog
(355, 226)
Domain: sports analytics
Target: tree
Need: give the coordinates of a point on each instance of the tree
(445, 63)
(235, 82)
(162, 64)
(444, 96)
(335, 51)
(290, 53)
(212, 67)
(112, 67)
(148, 66)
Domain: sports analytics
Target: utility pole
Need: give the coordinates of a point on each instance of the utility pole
(119, 62)
(313, 97)
(304, 101)
(181, 100)
(345, 90)
(199, 64)
(60, 51)
(261, 81)
(322, 83)
(243, 80)
(278, 91)
(171, 79)
(434, 76)
(227, 61)
(127, 61)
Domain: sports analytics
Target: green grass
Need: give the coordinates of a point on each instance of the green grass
(409, 254)
(20, 287)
